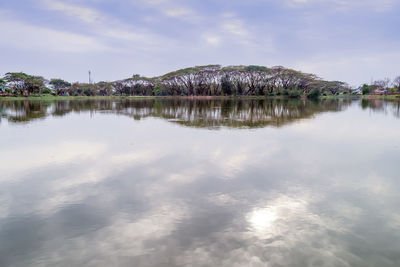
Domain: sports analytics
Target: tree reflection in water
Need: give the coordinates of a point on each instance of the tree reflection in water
(209, 113)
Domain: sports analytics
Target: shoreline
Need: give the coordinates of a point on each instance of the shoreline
(50, 97)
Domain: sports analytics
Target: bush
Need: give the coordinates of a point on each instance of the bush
(46, 91)
(260, 91)
(88, 92)
(314, 93)
(365, 89)
(226, 85)
(294, 93)
(159, 91)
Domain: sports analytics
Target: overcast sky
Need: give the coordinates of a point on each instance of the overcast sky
(348, 40)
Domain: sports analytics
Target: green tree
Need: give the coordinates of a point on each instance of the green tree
(226, 85)
(23, 82)
(294, 93)
(88, 92)
(60, 85)
(33, 84)
(16, 80)
(365, 89)
(314, 93)
(45, 90)
(105, 88)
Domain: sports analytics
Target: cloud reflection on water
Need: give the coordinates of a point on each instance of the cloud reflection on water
(182, 196)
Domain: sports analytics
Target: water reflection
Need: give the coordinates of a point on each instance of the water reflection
(195, 113)
(319, 192)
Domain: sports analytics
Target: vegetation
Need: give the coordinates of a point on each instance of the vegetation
(365, 89)
(314, 93)
(22, 83)
(382, 87)
(210, 80)
(60, 86)
(396, 83)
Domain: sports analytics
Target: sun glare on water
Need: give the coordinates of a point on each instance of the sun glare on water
(262, 219)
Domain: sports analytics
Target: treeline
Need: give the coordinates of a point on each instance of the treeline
(381, 86)
(211, 80)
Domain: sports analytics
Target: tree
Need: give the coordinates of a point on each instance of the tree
(105, 88)
(33, 84)
(45, 90)
(60, 85)
(198, 80)
(396, 82)
(2, 85)
(16, 80)
(382, 84)
(226, 85)
(314, 93)
(365, 89)
(22, 82)
(294, 94)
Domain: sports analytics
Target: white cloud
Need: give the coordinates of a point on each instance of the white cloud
(104, 26)
(347, 5)
(30, 37)
(234, 26)
(85, 14)
(212, 39)
(178, 12)
(37, 156)
(171, 9)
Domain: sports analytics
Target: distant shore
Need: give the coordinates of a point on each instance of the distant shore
(51, 97)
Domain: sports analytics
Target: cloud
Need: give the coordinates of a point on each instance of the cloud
(346, 5)
(104, 26)
(163, 35)
(172, 9)
(37, 156)
(30, 37)
(212, 39)
(85, 14)
(234, 26)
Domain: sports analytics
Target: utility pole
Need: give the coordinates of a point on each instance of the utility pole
(90, 78)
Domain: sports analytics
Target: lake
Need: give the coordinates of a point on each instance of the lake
(214, 182)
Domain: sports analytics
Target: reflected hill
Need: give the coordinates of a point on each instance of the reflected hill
(205, 113)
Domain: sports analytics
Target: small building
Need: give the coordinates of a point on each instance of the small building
(357, 91)
(380, 92)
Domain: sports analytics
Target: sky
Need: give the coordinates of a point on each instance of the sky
(348, 40)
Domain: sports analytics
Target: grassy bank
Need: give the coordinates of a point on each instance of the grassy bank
(51, 97)
(361, 97)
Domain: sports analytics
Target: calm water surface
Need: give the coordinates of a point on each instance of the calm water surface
(199, 183)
